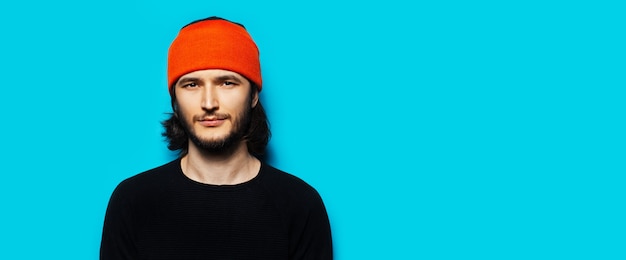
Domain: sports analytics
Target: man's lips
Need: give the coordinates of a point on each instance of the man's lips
(212, 121)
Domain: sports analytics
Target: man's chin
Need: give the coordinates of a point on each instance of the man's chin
(216, 144)
(211, 136)
(214, 141)
(211, 139)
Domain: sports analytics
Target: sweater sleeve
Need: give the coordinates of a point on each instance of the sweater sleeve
(117, 239)
(311, 237)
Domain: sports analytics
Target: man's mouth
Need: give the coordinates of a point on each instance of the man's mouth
(213, 120)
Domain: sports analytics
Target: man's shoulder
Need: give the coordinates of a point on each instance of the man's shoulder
(150, 177)
(287, 183)
(296, 199)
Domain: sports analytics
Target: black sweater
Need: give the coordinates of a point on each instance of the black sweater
(162, 214)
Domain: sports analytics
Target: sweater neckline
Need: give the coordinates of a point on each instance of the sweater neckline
(224, 187)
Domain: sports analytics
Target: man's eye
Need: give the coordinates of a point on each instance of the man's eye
(190, 85)
(229, 83)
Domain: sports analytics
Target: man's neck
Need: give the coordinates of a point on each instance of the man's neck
(217, 169)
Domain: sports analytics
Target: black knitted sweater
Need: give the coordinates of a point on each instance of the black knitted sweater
(162, 214)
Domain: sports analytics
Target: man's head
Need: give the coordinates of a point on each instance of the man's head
(214, 81)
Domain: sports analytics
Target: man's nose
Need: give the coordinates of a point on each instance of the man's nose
(209, 99)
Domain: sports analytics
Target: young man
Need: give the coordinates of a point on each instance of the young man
(218, 200)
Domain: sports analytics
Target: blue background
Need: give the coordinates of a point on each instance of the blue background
(433, 130)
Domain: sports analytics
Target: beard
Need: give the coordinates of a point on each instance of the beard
(223, 145)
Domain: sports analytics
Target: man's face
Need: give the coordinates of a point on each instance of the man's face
(214, 108)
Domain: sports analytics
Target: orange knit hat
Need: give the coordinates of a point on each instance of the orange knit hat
(213, 43)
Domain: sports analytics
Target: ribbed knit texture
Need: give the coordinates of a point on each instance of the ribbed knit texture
(214, 44)
(162, 214)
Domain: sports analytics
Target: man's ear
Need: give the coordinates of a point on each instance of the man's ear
(174, 107)
(173, 99)
(255, 99)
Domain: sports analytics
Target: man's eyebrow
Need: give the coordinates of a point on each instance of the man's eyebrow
(187, 79)
(228, 77)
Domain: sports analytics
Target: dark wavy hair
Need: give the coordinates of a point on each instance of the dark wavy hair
(257, 134)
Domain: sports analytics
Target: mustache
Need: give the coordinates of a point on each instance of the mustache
(212, 116)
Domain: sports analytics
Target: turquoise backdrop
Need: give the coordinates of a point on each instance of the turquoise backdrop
(432, 129)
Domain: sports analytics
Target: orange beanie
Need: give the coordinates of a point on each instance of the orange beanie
(213, 44)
